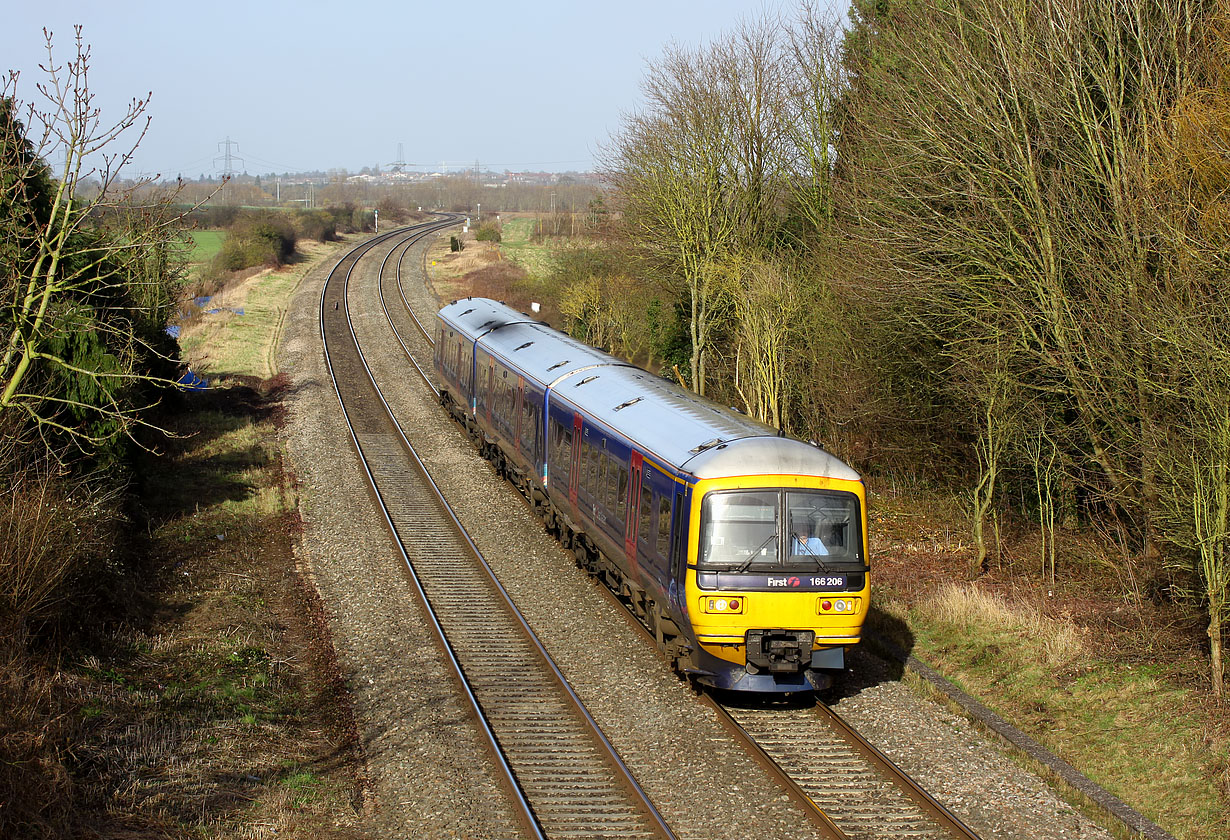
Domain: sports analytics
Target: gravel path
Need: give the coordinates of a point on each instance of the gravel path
(426, 765)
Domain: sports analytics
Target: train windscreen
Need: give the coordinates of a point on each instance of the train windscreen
(756, 530)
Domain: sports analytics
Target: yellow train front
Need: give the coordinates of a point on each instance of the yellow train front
(777, 578)
(743, 551)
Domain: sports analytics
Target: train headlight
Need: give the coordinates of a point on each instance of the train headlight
(722, 604)
(840, 606)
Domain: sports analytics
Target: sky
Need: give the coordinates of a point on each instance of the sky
(302, 86)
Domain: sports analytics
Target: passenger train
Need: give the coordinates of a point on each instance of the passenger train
(743, 551)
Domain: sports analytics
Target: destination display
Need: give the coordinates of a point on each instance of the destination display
(805, 582)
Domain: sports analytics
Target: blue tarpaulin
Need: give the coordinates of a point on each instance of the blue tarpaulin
(191, 382)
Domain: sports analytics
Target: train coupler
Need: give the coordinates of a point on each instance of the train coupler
(779, 651)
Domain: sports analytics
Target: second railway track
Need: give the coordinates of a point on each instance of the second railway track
(858, 788)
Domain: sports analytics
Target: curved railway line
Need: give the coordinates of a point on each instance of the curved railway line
(841, 784)
(563, 777)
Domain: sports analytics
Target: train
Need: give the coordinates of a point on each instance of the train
(743, 551)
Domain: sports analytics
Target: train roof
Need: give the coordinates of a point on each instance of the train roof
(687, 432)
(535, 349)
(475, 317)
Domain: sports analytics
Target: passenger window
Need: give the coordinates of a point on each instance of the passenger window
(621, 509)
(664, 526)
(588, 468)
(529, 427)
(646, 513)
(593, 471)
(604, 464)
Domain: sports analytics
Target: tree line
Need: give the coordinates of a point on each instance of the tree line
(984, 238)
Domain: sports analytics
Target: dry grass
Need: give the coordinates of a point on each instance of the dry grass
(36, 788)
(446, 269)
(206, 719)
(1056, 642)
(229, 344)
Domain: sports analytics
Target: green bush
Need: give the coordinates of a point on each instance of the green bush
(487, 232)
(320, 225)
(257, 239)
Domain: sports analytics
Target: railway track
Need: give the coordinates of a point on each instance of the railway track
(840, 772)
(562, 776)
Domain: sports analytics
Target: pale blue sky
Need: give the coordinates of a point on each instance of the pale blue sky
(313, 85)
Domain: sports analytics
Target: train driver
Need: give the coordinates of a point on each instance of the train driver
(804, 543)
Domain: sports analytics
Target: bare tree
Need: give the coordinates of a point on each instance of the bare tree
(666, 166)
(697, 171)
(86, 258)
(810, 114)
(1192, 349)
(770, 315)
(1050, 178)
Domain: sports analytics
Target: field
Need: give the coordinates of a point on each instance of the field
(237, 332)
(516, 246)
(205, 245)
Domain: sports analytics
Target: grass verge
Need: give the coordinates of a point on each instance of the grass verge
(211, 706)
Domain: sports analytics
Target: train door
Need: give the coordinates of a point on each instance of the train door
(634, 503)
(517, 400)
(679, 546)
(489, 390)
(469, 355)
(575, 478)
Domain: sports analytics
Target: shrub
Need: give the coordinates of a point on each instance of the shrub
(56, 536)
(392, 209)
(487, 232)
(320, 225)
(256, 239)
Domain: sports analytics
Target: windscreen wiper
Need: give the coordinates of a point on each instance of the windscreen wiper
(742, 567)
(815, 558)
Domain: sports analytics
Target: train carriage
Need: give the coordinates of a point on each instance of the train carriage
(742, 550)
